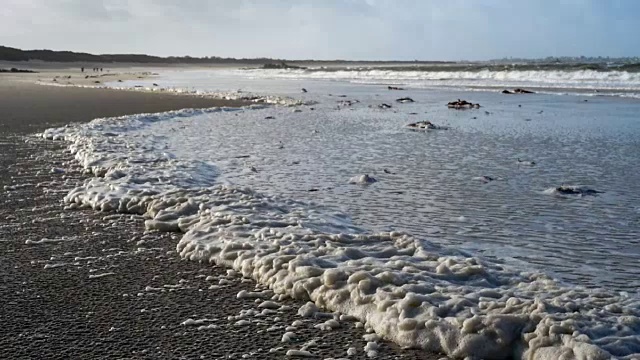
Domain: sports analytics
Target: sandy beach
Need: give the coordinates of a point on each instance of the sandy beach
(26, 106)
(81, 284)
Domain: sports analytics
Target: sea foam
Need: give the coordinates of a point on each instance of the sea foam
(407, 289)
(563, 79)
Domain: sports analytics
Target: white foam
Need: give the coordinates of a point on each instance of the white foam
(56, 265)
(288, 336)
(371, 349)
(371, 337)
(347, 318)
(299, 353)
(49, 241)
(195, 322)
(222, 95)
(244, 294)
(97, 276)
(578, 79)
(269, 305)
(328, 325)
(362, 180)
(408, 290)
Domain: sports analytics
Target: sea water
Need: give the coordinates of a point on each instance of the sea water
(431, 253)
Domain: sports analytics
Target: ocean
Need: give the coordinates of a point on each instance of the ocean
(507, 230)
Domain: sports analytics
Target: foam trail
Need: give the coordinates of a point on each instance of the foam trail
(222, 95)
(408, 290)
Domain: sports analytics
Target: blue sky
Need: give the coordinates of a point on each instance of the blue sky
(327, 29)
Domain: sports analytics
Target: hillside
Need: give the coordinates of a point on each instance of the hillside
(13, 54)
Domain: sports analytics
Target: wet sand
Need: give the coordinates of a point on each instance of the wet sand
(28, 107)
(81, 284)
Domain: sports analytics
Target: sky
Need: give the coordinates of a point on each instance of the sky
(327, 29)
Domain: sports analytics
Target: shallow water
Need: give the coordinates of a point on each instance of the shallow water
(430, 190)
(462, 284)
(582, 82)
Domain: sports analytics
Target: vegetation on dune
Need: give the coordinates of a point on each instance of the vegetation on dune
(15, 70)
(13, 54)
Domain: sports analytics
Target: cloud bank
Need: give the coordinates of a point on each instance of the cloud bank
(327, 29)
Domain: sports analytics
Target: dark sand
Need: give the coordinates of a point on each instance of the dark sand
(52, 308)
(27, 107)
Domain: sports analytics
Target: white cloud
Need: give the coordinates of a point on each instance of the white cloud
(373, 29)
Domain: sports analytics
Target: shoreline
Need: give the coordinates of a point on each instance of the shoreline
(89, 284)
(68, 75)
(73, 78)
(23, 103)
(244, 317)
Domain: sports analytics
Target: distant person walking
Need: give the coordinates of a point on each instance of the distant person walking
(82, 69)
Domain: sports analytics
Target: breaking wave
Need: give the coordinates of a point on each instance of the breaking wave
(552, 79)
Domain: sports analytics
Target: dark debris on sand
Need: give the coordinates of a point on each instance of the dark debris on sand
(462, 104)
